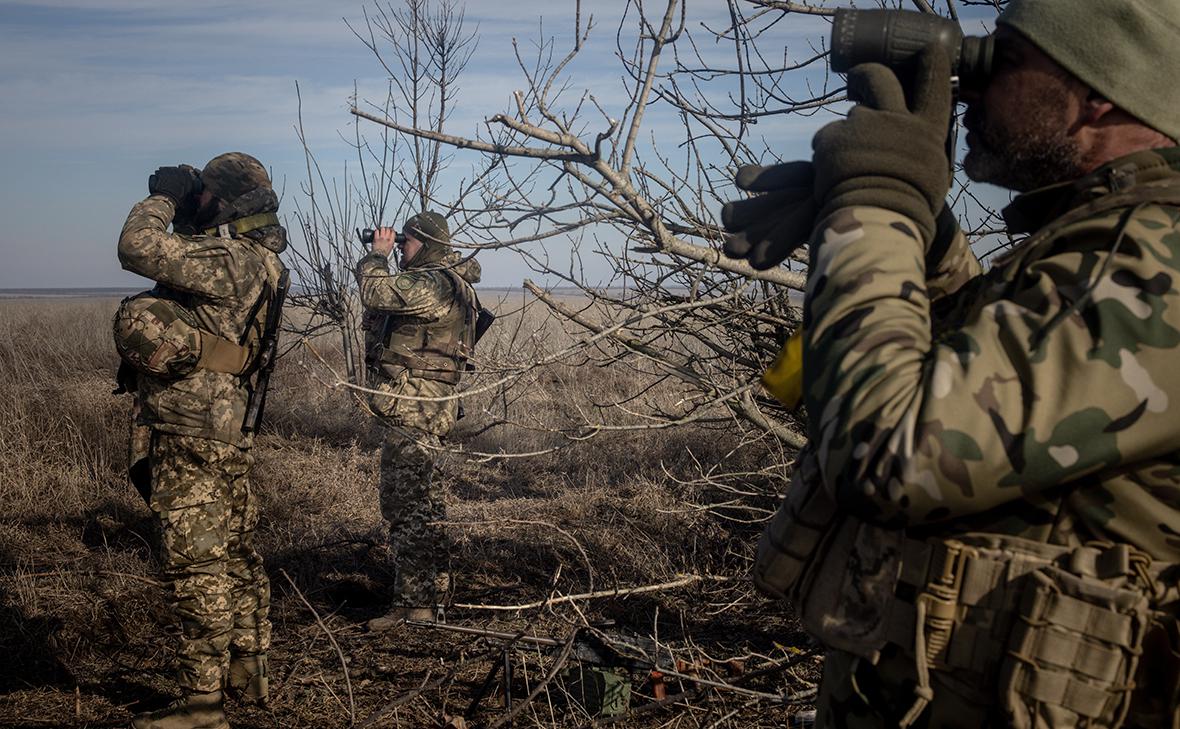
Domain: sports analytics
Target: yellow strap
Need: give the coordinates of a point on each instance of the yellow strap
(221, 355)
(784, 379)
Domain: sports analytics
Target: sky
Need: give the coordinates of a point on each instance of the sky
(98, 93)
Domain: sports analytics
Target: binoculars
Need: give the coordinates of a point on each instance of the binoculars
(366, 236)
(895, 37)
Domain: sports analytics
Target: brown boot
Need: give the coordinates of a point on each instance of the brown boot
(195, 711)
(247, 679)
(399, 614)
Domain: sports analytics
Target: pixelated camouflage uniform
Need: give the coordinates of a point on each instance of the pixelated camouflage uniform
(199, 457)
(1032, 401)
(427, 313)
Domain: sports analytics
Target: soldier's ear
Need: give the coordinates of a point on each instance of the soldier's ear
(1095, 107)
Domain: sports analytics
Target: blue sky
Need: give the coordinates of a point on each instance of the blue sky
(98, 93)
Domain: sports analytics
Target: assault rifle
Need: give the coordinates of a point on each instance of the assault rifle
(598, 647)
(268, 353)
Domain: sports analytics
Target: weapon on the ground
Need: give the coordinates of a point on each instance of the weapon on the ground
(269, 351)
(590, 645)
(895, 37)
(366, 236)
(604, 687)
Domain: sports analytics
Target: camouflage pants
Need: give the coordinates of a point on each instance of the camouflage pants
(218, 588)
(410, 501)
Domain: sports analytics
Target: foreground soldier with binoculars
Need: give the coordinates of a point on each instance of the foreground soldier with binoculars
(985, 526)
(197, 351)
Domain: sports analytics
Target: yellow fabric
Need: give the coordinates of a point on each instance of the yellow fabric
(784, 379)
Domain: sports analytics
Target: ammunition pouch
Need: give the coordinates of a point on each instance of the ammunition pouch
(788, 544)
(430, 350)
(160, 337)
(1063, 626)
(838, 571)
(442, 363)
(1052, 635)
(1073, 650)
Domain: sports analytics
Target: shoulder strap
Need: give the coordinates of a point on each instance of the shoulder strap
(470, 306)
(244, 225)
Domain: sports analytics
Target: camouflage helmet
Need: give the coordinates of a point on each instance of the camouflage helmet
(428, 227)
(231, 175)
(156, 336)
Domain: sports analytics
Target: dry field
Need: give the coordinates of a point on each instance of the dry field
(84, 633)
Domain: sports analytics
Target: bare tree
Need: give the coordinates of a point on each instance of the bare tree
(588, 172)
(424, 46)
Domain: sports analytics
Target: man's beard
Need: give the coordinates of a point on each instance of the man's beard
(1041, 154)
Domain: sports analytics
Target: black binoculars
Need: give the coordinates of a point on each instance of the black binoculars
(366, 236)
(895, 37)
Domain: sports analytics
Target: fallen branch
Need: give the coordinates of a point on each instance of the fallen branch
(616, 592)
(332, 639)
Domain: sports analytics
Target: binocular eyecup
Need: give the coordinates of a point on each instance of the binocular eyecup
(366, 236)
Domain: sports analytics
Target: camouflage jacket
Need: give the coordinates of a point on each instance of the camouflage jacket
(220, 281)
(417, 297)
(1034, 400)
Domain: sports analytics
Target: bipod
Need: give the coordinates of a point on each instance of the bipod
(505, 665)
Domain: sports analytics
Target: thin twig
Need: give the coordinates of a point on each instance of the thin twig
(332, 638)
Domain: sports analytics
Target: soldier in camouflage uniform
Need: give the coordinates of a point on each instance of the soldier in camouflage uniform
(985, 526)
(220, 273)
(420, 331)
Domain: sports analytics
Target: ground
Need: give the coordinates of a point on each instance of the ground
(86, 634)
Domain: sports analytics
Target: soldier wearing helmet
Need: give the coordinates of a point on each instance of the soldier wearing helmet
(421, 330)
(191, 348)
(985, 526)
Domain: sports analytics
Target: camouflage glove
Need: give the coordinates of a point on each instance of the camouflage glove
(765, 229)
(888, 154)
(178, 183)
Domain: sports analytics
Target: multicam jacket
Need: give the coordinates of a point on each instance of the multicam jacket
(1035, 401)
(419, 332)
(221, 281)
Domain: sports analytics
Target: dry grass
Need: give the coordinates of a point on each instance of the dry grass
(85, 632)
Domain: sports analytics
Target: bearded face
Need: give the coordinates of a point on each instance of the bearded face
(1019, 129)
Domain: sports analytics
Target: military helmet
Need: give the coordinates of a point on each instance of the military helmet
(157, 336)
(428, 227)
(231, 175)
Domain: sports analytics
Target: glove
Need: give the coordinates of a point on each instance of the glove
(178, 183)
(765, 229)
(886, 153)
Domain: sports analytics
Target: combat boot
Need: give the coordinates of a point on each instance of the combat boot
(195, 711)
(247, 679)
(400, 614)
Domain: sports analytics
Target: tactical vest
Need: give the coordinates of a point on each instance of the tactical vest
(1059, 636)
(433, 350)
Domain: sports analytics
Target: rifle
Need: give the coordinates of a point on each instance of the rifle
(483, 322)
(599, 648)
(268, 353)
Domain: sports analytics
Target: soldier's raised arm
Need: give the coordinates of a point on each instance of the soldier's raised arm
(423, 291)
(194, 264)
